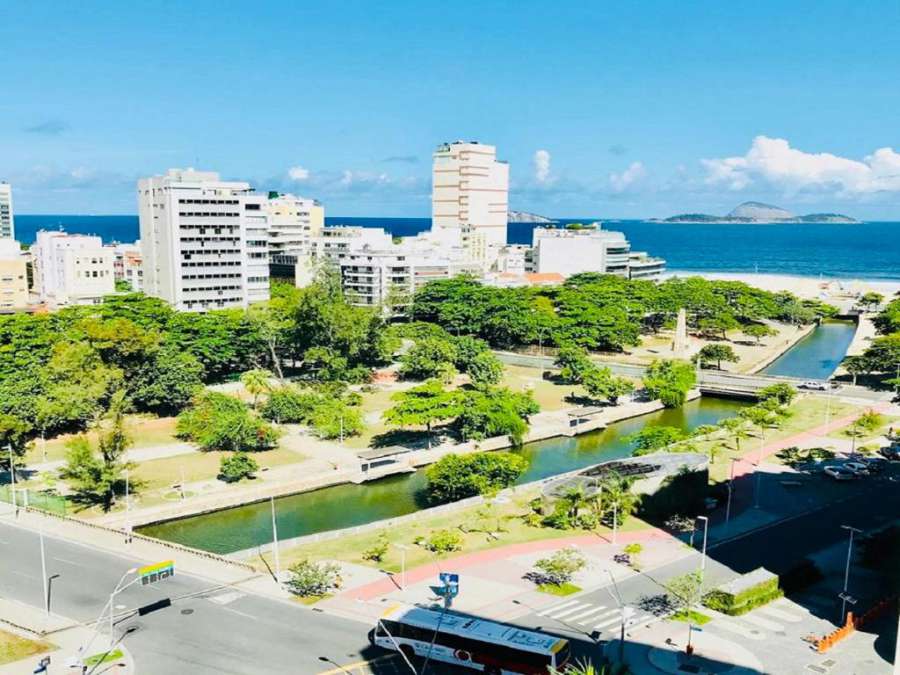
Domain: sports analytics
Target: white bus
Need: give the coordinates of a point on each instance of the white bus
(469, 641)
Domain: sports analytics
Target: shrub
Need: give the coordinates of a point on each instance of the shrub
(332, 418)
(237, 466)
(444, 541)
(219, 422)
(290, 405)
(455, 477)
(559, 568)
(310, 579)
(495, 412)
(735, 604)
(378, 550)
(669, 381)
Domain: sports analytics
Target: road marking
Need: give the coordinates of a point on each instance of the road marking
(544, 612)
(761, 622)
(240, 613)
(351, 667)
(22, 574)
(225, 598)
(67, 562)
(571, 610)
(780, 614)
(607, 622)
(578, 617)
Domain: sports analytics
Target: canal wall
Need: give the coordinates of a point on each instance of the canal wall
(777, 353)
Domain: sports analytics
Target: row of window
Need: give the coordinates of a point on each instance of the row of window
(88, 274)
(213, 263)
(207, 289)
(204, 240)
(209, 303)
(211, 276)
(257, 280)
(207, 201)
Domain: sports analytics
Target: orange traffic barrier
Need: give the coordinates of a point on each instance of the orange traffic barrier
(852, 623)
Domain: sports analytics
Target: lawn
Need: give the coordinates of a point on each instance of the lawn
(479, 528)
(548, 394)
(145, 430)
(691, 616)
(15, 648)
(562, 589)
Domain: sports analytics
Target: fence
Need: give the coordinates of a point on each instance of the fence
(35, 499)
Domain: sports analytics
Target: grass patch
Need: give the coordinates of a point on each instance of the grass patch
(561, 589)
(696, 618)
(15, 648)
(105, 657)
(312, 599)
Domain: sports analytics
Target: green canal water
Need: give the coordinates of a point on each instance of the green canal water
(342, 506)
(348, 505)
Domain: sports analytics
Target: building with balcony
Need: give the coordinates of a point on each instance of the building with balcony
(204, 241)
(293, 222)
(71, 269)
(128, 265)
(7, 220)
(13, 276)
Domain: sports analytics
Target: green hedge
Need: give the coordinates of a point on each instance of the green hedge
(743, 602)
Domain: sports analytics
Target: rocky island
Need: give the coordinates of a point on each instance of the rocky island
(757, 212)
(525, 217)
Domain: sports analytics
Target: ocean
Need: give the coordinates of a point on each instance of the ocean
(861, 251)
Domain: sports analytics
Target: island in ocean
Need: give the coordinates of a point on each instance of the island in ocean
(757, 212)
(525, 217)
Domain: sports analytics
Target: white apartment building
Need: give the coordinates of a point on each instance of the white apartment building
(292, 221)
(72, 269)
(470, 190)
(13, 276)
(590, 249)
(204, 241)
(7, 220)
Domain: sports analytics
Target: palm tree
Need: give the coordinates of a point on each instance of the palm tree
(576, 499)
(737, 429)
(256, 382)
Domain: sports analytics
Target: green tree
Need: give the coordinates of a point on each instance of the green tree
(618, 502)
(336, 419)
(736, 427)
(560, 567)
(600, 383)
(99, 477)
(781, 392)
(758, 331)
(289, 405)
(311, 579)
(489, 412)
(685, 591)
(870, 300)
(573, 362)
(455, 477)
(485, 370)
(429, 358)
(716, 353)
(237, 466)
(217, 421)
(423, 405)
(669, 381)
(167, 382)
(650, 439)
(857, 365)
(717, 326)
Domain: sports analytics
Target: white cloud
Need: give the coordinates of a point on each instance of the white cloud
(619, 182)
(541, 166)
(298, 174)
(774, 161)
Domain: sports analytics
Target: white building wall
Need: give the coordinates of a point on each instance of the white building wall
(72, 269)
(293, 221)
(204, 241)
(470, 190)
(7, 218)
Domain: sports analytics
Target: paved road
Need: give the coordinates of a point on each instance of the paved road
(203, 632)
(777, 548)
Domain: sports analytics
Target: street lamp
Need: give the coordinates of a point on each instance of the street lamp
(705, 520)
(844, 597)
(275, 542)
(730, 491)
(402, 548)
(617, 598)
(12, 475)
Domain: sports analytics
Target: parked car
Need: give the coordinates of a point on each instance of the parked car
(858, 468)
(875, 464)
(814, 385)
(891, 454)
(838, 473)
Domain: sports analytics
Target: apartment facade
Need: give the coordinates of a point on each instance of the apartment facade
(7, 219)
(292, 222)
(13, 276)
(128, 265)
(204, 241)
(72, 269)
(470, 193)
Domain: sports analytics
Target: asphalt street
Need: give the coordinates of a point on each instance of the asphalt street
(205, 630)
(778, 547)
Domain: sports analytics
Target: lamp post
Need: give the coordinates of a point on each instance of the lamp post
(730, 491)
(12, 477)
(852, 530)
(762, 437)
(615, 520)
(275, 542)
(402, 548)
(705, 520)
(617, 598)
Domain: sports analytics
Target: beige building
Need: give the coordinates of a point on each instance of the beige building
(293, 221)
(470, 190)
(13, 276)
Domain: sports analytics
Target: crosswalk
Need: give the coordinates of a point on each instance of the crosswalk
(594, 617)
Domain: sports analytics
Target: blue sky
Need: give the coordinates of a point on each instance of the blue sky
(612, 109)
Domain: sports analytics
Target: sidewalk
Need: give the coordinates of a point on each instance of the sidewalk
(64, 638)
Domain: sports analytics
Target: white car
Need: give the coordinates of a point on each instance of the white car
(815, 385)
(839, 473)
(858, 468)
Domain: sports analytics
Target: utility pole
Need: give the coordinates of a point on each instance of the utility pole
(615, 520)
(730, 491)
(705, 520)
(617, 598)
(762, 436)
(12, 474)
(44, 568)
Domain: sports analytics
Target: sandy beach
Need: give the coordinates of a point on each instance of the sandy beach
(833, 290)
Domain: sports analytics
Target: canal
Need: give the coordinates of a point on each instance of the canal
(348, 505)
(816, 356)
(242, 527)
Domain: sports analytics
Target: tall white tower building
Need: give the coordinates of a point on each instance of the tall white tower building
(204, 241)
(7, 221)
(470, 190)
